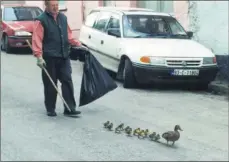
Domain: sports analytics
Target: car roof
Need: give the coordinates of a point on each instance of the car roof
(131, 11)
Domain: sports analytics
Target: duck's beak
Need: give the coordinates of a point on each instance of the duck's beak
(181, 129)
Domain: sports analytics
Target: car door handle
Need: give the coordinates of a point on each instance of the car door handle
(89, 36)
(102, 41)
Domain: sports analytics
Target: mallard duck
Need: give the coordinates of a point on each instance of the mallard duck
(129, 131)
(152, 136)
(137, 131)
(109, 127)
(106, 124)
(172, 135)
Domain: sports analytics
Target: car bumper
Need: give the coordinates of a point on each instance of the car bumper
(152, 74)
(19, 41)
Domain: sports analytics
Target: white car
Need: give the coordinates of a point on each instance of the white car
(143, 46)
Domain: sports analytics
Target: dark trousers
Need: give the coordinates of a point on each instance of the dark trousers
(59, 69)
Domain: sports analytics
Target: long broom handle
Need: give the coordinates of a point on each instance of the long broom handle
(52, 82)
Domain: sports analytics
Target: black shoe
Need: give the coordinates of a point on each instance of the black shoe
(72, 113)
(51, 113)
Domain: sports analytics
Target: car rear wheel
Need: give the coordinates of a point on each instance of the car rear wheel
(128, 75)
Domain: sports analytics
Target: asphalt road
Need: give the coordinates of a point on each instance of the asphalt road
(28, 134)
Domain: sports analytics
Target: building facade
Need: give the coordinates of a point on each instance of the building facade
(207, 19)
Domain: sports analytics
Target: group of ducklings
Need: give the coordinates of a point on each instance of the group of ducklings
(141, 134)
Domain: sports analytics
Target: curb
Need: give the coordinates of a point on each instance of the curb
(219, 88)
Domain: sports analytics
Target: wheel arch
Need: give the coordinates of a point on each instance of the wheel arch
(121, 66)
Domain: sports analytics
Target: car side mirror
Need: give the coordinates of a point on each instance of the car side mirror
(114, 32)
(190, 34)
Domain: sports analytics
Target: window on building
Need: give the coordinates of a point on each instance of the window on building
(102, 21)
(107, 3)
(90, 20)
(158, 6)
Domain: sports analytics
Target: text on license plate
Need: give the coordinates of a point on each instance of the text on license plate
(185, 72)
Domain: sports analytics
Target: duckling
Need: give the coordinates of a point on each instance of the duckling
(121, 127)
(129, 131)
(172, 135)
(117, 130)
(137, 131)
(157, 137)
(141, 134)
(146, 133)
(106, 124)
(152, 136)
(109, 127)
(127, 128)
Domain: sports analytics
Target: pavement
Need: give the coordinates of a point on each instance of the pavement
(28, 134)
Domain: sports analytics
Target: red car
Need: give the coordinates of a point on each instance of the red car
(17, 25)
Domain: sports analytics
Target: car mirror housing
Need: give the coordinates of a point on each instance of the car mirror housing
(190, 34)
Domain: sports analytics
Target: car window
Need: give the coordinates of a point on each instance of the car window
(113, 27)
(146, 26)
(175, 26)
(102, 21)
(90, 20)
(149, 25)
(113, 23)
(21, 13)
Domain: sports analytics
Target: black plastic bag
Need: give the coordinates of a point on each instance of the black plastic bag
(96, 82)
(77, 53)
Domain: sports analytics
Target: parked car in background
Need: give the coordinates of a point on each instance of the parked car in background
(143, 46)
(17, 24)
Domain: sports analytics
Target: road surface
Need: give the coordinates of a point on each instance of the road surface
(28, 134)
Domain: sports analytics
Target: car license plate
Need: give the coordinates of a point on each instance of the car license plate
(185, 72)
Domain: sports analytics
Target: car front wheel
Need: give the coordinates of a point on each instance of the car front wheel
(2, 44)
(6, 46)
(128, 75)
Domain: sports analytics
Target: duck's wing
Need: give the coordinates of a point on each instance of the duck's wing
(168, 134)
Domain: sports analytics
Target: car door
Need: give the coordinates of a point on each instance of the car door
(98, 33)
(86, 36)
(110, 43)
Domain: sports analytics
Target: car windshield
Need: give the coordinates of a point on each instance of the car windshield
(151, 26)
(21, 13)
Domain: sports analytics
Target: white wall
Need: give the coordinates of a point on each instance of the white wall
(35, 3)
(13, 2)
(211, 24)
(74, 15)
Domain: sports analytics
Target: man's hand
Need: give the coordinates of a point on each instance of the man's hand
(41, 62)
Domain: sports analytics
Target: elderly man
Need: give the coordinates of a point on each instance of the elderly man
(51, 40)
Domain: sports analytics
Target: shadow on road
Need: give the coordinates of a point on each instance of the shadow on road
(166, 86)
(20, 51)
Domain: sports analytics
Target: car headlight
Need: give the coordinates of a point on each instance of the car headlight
(22, 33)
(209, 60)
(152, 60)
(157, 61)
